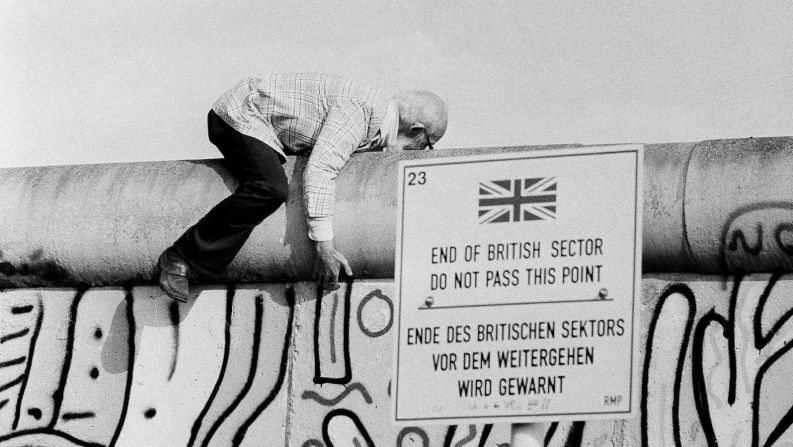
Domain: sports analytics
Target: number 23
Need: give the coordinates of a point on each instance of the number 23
(417, 178)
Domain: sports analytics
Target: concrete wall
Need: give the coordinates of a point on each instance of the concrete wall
(107, 224)
(272, 365)
(265, 361)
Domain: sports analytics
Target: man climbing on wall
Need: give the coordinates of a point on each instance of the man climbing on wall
(263, 118)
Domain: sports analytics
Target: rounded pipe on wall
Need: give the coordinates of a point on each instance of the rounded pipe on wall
(710, 207)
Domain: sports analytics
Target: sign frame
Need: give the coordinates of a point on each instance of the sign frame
(560, 154)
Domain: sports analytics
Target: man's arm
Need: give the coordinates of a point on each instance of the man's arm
(342, 131)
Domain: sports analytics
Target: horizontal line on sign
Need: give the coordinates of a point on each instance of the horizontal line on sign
(522, 303)
(512, 415)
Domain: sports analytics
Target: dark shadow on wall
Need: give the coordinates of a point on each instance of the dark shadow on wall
(220, 169)
(301, 253)
(115, 350)
(37, 271)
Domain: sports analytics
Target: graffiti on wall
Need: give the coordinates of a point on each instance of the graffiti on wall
(729, 380)
(279, 364)
(757, 236)
(234, 367)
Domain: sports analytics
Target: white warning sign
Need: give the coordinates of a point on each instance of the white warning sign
(517, 276)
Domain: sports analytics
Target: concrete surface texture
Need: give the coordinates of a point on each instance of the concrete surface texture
(106, 224)
(106, 360)
(273, 365)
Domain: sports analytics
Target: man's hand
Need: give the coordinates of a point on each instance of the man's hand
(327, 264)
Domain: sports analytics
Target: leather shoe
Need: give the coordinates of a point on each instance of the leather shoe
(173, 275)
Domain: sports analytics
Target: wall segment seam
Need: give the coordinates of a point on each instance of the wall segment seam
(687, 251)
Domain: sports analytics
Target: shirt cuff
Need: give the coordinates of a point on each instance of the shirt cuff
(320, 229)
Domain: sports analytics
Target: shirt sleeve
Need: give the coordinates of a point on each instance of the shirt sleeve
(342, 131)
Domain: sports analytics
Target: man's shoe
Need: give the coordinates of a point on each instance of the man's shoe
(173, 276)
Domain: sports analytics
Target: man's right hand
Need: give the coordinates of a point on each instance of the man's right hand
(327, 265)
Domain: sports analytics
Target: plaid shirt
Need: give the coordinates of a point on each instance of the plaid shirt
(325, 115)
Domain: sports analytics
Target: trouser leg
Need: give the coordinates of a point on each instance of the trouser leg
(210, 245)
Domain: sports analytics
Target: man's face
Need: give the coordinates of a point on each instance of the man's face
(414, 139)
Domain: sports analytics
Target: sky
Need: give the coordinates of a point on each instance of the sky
(105, 81)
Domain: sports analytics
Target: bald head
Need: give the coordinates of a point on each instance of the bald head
(422, 116)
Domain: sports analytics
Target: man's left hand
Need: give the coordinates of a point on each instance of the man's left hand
(327, 265)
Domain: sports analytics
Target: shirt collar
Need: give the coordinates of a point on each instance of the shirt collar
(387, 130)
(389, 126)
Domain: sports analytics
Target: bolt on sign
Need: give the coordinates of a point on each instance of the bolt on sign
(517, 276)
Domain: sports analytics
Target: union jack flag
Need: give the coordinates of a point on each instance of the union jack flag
(517, 200)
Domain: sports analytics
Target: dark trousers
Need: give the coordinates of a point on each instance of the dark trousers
(210, 245)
